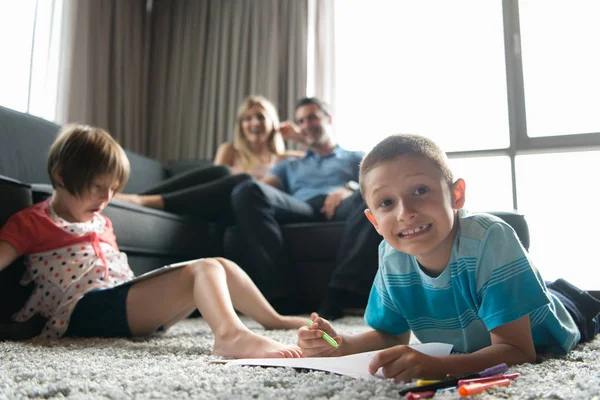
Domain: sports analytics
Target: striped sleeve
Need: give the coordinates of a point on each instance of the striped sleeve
(508, 285)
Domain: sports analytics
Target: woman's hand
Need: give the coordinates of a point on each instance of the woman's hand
(311, 342)
(291, 131)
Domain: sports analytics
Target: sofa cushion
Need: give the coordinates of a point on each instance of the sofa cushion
(145, 173)
(28, 139)
(15, 197)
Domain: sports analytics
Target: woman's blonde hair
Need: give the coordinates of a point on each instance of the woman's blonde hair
(275, 140)
(83, 153)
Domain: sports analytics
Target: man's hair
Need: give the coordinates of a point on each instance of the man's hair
(240, 142)
(313, 100)
(404, 144)
(82, 153)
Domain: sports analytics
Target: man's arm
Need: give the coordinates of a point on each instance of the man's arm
(272, 180)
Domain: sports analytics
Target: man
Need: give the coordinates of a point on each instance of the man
(322, 186)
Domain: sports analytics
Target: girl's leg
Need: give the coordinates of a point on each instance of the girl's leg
(247, 299)
(161, 301)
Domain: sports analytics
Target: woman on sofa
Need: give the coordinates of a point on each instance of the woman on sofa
(257, 147)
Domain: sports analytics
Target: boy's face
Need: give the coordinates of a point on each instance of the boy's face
(412, 207)
(89, 203)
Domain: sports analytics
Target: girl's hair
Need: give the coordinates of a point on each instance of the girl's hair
(275, 140)
(82, 153)
(404, 144)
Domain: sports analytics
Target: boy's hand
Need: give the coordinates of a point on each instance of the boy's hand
(311, 342)
(403, 364)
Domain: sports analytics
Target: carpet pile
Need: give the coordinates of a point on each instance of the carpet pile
(175, 364)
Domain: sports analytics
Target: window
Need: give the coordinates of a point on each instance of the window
(560, 66)
(30, 37)
(509, 88)
(560, 203)
(417, 67)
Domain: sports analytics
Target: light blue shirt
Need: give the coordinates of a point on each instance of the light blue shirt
(489, 281)
(314, 175)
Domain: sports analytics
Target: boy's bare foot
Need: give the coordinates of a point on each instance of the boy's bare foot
(247, 344)
(286, 322)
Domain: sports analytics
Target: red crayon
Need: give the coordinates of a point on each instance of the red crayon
(420, 395)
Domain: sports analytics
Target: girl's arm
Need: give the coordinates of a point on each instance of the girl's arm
(8, 254)
(225, 155)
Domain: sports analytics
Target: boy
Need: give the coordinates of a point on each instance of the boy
(449, 276)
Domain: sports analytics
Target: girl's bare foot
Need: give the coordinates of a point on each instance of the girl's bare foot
(247, 344)
(286, 322)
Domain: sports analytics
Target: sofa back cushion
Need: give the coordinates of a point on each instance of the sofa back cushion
(24, 144)
(145, 173)
(25, 141)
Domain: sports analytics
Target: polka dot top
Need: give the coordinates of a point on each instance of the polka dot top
(65, 261)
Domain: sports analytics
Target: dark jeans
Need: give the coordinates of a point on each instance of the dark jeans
(260, 209)
(583, 307)
(204, 192)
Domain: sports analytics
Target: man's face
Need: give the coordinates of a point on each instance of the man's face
(312, 122)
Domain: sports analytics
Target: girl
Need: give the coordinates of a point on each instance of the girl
(81, 276)
(256, 148)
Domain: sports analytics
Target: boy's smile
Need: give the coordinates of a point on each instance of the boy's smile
(413, 208)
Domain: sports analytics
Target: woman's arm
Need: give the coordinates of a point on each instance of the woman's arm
(225, 155)
(8, 254)
(291, 154)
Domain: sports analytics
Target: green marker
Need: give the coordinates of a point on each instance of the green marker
(325, 336)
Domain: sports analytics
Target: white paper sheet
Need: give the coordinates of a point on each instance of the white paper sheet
(355, 365)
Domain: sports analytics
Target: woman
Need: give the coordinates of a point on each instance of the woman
(257, 144)
(205, 192)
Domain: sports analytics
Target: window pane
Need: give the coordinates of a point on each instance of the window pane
(16, 32)
(564, 230)
(559, 41)
(425, 67)
(488, 182)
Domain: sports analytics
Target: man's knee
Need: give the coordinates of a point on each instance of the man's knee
(243, 193)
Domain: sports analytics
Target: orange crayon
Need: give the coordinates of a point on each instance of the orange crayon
(475, 388)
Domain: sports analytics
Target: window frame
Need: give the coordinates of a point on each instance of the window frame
(520, 143)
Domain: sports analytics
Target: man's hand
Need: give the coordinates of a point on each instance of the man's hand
(403, 364)
(333, 200)
(311, 342)
(291, 131)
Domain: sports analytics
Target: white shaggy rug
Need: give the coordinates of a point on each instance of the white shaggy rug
(176, 364)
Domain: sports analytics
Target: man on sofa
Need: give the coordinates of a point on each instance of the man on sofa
(319, 187)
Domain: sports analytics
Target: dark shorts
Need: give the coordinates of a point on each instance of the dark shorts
(101, 313)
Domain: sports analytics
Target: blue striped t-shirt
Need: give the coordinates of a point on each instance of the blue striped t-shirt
(489, 281)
